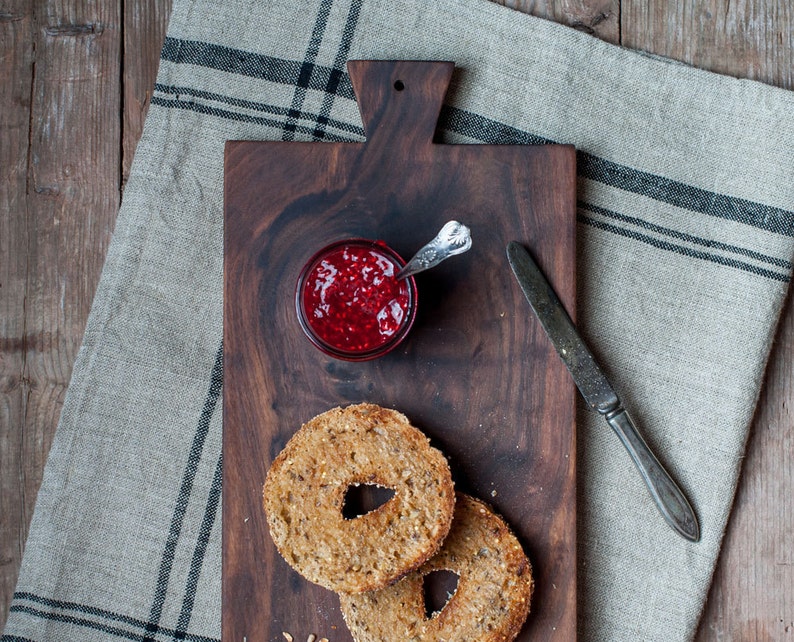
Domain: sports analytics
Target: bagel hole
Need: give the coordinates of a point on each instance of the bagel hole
(361, 499)
(438, 588)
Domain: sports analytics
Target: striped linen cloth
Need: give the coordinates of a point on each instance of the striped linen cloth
(686, 237)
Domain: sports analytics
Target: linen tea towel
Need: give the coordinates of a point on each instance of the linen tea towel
(685, 230)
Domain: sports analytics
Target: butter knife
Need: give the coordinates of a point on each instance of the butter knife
(598, 392)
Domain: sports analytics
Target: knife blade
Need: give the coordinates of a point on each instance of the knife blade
(598, 392)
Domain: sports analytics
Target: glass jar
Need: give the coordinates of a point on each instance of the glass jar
(350, 303)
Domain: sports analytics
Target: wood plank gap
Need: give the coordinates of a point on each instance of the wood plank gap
(122, 93)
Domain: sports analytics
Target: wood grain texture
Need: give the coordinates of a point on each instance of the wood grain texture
(747, 38)
(60, 153)
(600, 18)
(506, 423)
(17, 27)
(64, 153)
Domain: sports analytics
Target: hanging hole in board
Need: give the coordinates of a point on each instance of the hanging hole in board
(399, 85)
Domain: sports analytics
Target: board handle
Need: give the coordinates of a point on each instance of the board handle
(400, 99)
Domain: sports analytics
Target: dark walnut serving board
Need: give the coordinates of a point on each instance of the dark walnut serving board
(476, 374)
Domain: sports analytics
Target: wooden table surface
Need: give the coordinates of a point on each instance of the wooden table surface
(75, 87)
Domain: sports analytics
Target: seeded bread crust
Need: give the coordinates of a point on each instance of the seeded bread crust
(491, 601)
(304, 493)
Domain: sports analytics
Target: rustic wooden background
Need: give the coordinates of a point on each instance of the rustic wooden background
(74, 90)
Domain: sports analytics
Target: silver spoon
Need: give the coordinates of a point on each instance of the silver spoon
(454, 238)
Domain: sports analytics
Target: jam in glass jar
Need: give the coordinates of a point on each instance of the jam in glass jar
(350, 303)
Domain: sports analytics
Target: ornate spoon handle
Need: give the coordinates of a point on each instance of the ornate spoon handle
(453, 238)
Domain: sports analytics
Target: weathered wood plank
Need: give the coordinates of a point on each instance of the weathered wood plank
(55, 238)
(749, 39)
(72, 195)
(600, 18)
(61, 205)
(16, 50)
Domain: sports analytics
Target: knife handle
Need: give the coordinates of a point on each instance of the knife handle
(668, 497)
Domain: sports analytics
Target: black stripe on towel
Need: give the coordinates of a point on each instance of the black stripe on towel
(210, 513)
(246, 63)
(247, 118)
(123, 626)
(179, 93)
(488, 130)
(306, 70)
(689, 238)
(338, 69)
(183, 498)
(680, 249)
(664, 190)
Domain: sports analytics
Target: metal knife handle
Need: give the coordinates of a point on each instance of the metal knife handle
(665, 493)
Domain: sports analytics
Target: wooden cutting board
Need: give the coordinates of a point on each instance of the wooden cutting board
(477, 373)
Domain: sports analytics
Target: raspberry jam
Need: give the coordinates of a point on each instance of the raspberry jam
(349, 302)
